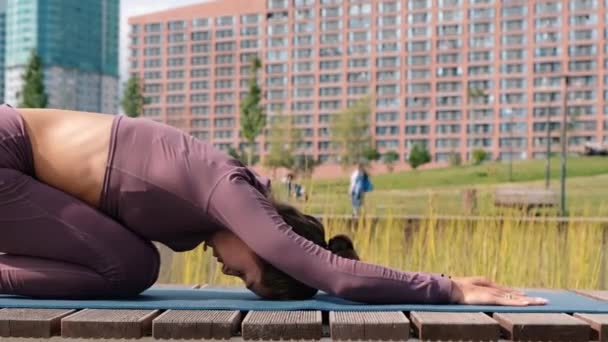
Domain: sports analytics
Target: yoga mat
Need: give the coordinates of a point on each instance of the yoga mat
(243, 300)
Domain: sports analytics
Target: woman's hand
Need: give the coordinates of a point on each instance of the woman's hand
(482, 291)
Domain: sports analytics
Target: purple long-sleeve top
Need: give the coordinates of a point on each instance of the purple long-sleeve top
(182, 190)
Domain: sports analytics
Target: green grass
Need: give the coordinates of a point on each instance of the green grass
(488, 173)
(411, 192)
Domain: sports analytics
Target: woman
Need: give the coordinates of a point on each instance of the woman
(83, 194)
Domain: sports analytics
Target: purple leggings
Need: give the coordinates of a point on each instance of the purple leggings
(55, 245)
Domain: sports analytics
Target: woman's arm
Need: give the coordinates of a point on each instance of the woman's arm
(248, 213)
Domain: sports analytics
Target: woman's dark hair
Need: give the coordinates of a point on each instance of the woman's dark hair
(282, 286)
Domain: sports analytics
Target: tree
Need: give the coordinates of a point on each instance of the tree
(132, 99)
(479, 156)
(242, 156)
(419, 155)
(350, 133)
(455, 159)
(252, 117)
(389, 158)
(304, 164)
(33, 93)
(371, 154)
(283, 139)
(474, 93)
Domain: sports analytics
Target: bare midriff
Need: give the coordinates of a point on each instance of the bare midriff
(70, 150)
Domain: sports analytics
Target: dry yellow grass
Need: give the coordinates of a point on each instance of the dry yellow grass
(510, 250)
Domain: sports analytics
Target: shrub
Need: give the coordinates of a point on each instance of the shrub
(419, 155)
(479, 156)
(455, 159)
(389, 158)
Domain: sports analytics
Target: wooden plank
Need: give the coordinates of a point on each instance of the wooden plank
(196, 324)
(35, 323)
(359, 325)
(108, 323)
(595, 294)
(543, 327)
(598, 323)
(346, 325)
(387, 326)
(525, 197)
(282, 325)
(458, 326)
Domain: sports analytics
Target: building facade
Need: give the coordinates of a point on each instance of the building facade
(77, 41)
(2, 46)
(452, 75)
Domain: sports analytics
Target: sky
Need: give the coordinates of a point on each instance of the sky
(129, 8)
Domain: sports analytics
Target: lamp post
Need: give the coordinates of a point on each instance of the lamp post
(564, 144)
(509, 113)
(548, 160)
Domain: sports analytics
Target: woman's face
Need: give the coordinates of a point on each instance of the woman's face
(238, 260)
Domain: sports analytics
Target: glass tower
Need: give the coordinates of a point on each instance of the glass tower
(77, 41)
(2, 46)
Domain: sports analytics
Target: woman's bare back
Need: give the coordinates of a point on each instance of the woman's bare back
(70, 150)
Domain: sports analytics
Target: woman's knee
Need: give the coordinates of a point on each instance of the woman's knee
(137, 272)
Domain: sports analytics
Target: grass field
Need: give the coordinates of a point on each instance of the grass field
(507, 249)
(411, 192)
(543, 254)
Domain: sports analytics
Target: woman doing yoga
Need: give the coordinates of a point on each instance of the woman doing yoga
(82, 195)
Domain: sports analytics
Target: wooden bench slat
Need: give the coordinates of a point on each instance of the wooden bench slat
(93, 323)
(543, 327)
(598, 323)
(34, 323)
(438, 326)
(358, 325)
(346, 325)
(525, 197)
(595, 294)
(196, 324)
(282, 325)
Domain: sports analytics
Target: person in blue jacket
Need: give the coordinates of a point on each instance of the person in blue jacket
(360, 183)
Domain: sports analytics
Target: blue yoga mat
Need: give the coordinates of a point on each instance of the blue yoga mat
(243, 300)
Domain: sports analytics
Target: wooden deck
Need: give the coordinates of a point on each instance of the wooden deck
(151, 325)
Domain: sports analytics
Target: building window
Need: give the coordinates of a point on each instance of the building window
(513, 68)
(176, 25)
(387, 116)
(224, 33)
(250, 44)
(277, 4)
(200, 22)
(153, 27)
(303, 92)
(276, 68)
(175, 86)
(416, 129)
(330, 65)
(358, 90)
(176, 98)
(176, 61)
(224, 109)
(389, 7)
(200, 35)
(330, 78)
(155, 39)
(329, 12)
